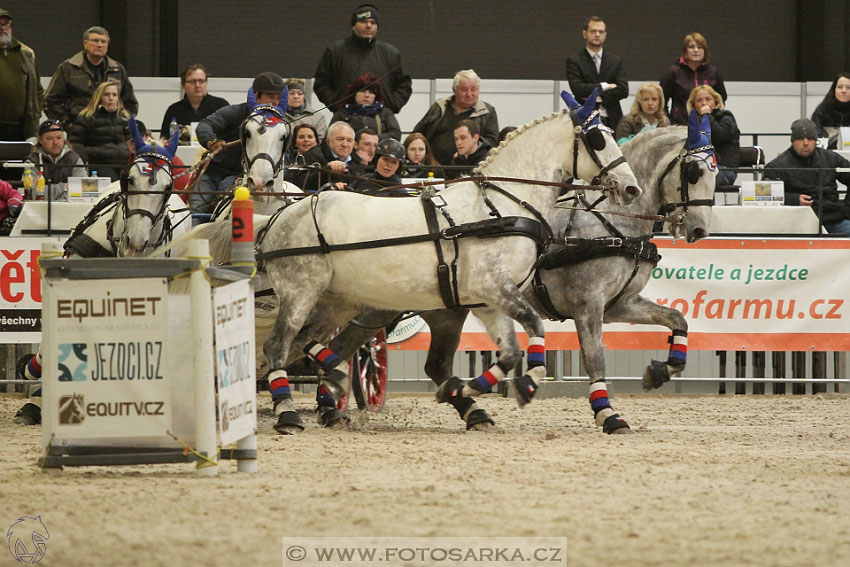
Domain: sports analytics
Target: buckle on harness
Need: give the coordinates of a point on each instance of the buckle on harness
(614, 242)
(450, 233)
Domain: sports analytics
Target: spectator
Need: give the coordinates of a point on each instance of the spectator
(390, 153)
(440, 121)
(299, 112)
(647, 112)
(55, 156)
(98, 131)
(76, 79)
(365, 143)
(594, 68)
(419, 157)
(305, 152)
(503, 133)
(692, 70)
(10, 207)
(810, 177)
(221, 127)
(338, 151)
(365, 108)
(724, 131)
(21, 95)
(195, 105)
(471, 147)
(346, 59)
(834, 110)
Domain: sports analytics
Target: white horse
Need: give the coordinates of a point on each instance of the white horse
(336, 253)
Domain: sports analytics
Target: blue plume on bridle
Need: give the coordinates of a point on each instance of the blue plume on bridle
(142, 147)
(582, 111)
(281, 106)
(699, 132)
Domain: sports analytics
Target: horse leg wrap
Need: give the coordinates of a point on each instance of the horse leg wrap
(678, 354)
(527, 384)
(335, 379)
(599, 402)
(33, 370)
(470, 412)
(327, 358)
(485, 382)
(324, 398)
(450, 391)
(614, 422)
(288, 420)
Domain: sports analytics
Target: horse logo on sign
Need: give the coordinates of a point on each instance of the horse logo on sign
(27, 539)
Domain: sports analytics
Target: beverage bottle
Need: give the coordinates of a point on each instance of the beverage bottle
(174, 127)
(39, 187)
(28, 184)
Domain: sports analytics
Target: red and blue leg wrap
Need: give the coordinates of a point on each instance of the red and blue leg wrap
(599, 397)
(33, 371)
(327, 358)
(678, 354)
(323, 397)
(536, 352)
(279, 385)
(489, 378)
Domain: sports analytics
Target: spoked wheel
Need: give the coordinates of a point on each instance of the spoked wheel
(368, 375)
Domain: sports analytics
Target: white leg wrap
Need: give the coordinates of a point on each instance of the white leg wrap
(282, 406)
(603, 415)
(537, 374)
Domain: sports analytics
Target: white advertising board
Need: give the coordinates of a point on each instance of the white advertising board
(233, 317)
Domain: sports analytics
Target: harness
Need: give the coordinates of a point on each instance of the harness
(689, 173)
(265, 116)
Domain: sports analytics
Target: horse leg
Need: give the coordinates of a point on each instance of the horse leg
(589, 329)
(446, 326)
(30, 412)
(642, 311)
(500, 328)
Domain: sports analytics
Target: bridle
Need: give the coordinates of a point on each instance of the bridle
(590, 133)
(689, 173)
(260, 116)
(149, 163)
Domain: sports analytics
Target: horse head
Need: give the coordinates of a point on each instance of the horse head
(145, 192)
(601, 163)
(263, 135)
(690, 195)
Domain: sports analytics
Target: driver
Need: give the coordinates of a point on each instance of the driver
(221, 127)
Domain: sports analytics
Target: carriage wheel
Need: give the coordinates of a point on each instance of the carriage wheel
(368, 376)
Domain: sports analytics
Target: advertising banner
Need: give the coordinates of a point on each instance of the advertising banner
(105, 358)
(736, 294)
(233, 317)
(20, 290)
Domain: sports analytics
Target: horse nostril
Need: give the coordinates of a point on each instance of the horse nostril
(699, 233)
(632, 190)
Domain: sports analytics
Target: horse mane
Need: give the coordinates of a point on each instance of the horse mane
(494, 153)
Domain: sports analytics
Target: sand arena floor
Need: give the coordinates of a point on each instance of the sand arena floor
(705, 481)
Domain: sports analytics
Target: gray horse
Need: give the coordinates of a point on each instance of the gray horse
(596, 273)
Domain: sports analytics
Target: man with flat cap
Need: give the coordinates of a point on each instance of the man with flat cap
(810, 177)
(221, 127)
(21, 94)
(346, 59)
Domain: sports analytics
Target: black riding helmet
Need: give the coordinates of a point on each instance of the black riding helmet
(390, 148)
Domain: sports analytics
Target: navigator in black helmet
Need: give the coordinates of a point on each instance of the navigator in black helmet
(391, 148)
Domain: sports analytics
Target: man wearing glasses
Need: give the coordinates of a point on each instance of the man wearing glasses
(21, 95)
(195, 105)
(76, 79)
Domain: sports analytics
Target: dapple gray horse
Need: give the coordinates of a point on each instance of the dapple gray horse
(315, 252)
(597, 271)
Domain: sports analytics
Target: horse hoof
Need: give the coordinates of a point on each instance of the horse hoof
(29, 414)
(289, 423)
(449, 390)
(525, 390)
(614, 424)
(334, 419)
(478, 420)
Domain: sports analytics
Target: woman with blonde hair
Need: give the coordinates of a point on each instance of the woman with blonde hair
(647, 112)
(98, 131)
(419, 157)
(691, 70)
(725, 136)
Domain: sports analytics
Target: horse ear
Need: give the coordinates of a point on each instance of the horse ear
(284, 101)
(699, 133)
(138, 141)
(569, 100)
(590, 102)
(706, 126)
(252, 100)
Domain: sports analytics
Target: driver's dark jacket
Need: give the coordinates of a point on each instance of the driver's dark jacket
(224, 124)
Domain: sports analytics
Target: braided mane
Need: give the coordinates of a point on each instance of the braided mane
(512, 135)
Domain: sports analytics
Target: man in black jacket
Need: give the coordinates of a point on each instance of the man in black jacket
(346, 59)
(592, 68)
(471, 147)
(810, 177)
